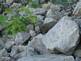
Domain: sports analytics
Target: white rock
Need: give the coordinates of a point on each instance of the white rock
(63, 36)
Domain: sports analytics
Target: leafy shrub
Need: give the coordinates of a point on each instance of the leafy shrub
(15, 26)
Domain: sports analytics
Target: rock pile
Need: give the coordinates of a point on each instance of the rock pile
(55, 37)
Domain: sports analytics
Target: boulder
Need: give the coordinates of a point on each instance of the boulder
(37, 46)
(47, 58)
(63, 37)
(47, 25)
(54, 12)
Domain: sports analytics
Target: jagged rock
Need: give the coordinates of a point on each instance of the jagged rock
(21, 38)
(2, 45)
(48, 24)
(32, 33)
(3, 53)
(49, 20)
(37, 45)
(78, 21)
(37, 29)
(77, 9)
(40, 18)
(62, 37)
(4, 58)
(78, 59)
(47, 58)
(30, 27)
(54, 12)
(39, 11)
(9, 44)
(77, 53)
(17, 50)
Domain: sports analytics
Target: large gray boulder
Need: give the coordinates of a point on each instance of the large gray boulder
(47, 58)
(63, 36)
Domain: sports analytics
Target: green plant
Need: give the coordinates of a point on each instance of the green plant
(25, 9)
(18, 23)
(2, 19)
(15, 26)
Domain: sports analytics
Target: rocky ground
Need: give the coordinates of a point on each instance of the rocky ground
(56, 36)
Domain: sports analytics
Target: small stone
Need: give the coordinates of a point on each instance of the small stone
(21, 38)
(37, 29)
(32, 33)
(3, 53)
(9, 44)
(77, 53)
(30, 27)
(39, 11)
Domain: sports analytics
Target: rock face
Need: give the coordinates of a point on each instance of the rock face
(63, 36)
(47, 58)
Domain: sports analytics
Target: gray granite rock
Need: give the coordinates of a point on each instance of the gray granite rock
(78, 59)
(77, 9)
(37, 45)
(63, 36)
(9, 44)
(4, 58)
(39, 11)
(21, 38)
(77, 53)
(4, 53)
(47, 58)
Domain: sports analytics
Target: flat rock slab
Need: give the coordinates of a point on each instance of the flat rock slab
(47, 58)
